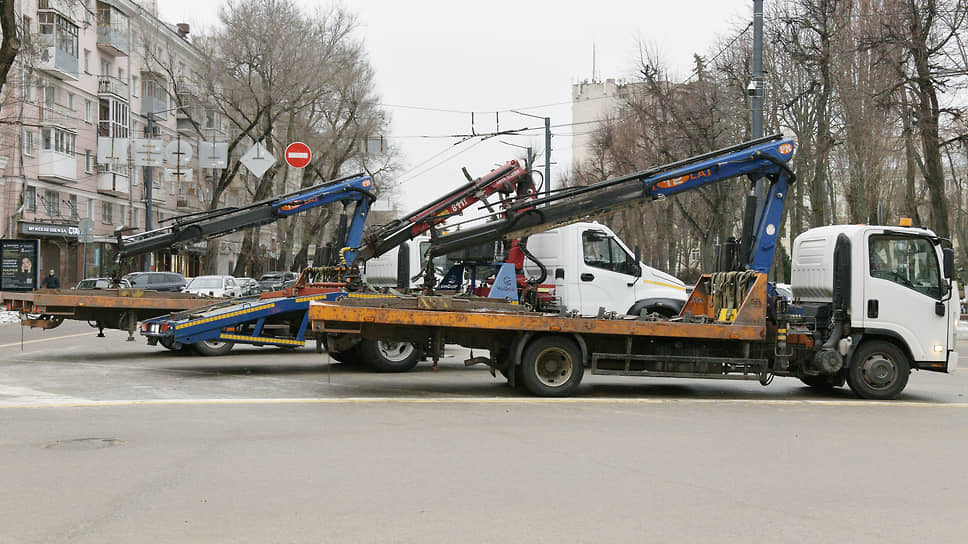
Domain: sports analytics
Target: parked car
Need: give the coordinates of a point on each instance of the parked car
(249, 286)
(156, 281)
(93, 283)
(214, 286)
(273, 281)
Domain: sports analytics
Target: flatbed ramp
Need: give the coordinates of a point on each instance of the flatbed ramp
(104, 308)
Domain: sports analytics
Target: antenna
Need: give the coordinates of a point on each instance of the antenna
(594, 58)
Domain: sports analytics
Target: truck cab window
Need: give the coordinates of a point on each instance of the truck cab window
(602, 251)
(911, 262)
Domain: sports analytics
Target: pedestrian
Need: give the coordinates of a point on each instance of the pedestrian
(51, 281)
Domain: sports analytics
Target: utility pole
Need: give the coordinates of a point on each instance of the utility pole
(547, 183)
(547, 166)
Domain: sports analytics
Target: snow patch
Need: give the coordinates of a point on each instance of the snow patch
(7, 318)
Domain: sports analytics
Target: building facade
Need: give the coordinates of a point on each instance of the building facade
(97, 72)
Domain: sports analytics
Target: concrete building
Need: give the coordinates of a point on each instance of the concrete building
(593, 101)
(92, 71)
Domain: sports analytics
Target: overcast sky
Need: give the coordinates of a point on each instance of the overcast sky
(500, 55)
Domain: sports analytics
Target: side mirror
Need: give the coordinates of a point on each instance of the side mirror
(949, 262)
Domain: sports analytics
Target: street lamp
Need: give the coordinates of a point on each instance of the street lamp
(547, 125)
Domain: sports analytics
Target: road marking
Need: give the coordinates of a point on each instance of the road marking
(25, 397)
(68, 402)
(45, 339)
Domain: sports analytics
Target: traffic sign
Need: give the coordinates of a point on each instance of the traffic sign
(258, 159)
(298, 155)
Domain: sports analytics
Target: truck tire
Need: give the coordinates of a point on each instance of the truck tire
(169, 343)
(820, 383)
(551, 366)
(879, 370)
(387, 356)
(211, 348)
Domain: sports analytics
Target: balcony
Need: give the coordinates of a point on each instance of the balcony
(54, 60)
(56, 167)
(113, 86)
(112, 183)
(113, 39)
(59, 116)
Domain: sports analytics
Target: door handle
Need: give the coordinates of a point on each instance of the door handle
(587, 277)
(872, 307)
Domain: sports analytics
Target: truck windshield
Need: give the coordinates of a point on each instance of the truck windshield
(602, 251)
(911, 262)
(206, 283)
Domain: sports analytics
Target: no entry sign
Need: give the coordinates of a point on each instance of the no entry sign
(298, 155)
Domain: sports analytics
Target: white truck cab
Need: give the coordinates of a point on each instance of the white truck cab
(592, 268)
(898, 290)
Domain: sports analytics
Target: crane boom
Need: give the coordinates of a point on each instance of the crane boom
(200, 226)
(765, 157)
(509, 179)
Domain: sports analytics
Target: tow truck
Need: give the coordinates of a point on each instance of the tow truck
(280, 318)
(871, 303)
(123, 308)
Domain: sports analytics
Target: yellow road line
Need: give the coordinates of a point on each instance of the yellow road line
(477, 400)
(45, 339)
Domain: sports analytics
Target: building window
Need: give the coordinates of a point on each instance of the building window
(87, 61)
(72, 204)
(89, 160)
(65, 31)
(70, 101)
(107, 213)
(30, 199)
(28, 142)
(134, 86)
(88, 110)
(112, 118)
(61, 141)
(51, 203)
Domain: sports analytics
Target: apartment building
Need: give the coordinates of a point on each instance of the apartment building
(96, 72)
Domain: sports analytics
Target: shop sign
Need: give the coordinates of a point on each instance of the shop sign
(48, 229)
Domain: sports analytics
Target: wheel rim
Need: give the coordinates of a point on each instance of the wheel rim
(395, 352)
(214, 344)
(879, 371)
(554, 367)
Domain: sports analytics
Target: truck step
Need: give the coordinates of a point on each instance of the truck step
(679, 366)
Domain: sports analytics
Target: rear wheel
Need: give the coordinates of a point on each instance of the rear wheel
(821, 383)
(879, 371)
(551, 367)
(211, 348)
(388, 356)
(347, 357)
(169, 343)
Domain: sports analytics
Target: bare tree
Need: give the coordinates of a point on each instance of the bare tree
(10, 45)
(283, 73)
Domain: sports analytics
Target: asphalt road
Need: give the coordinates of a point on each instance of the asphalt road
(103, 440)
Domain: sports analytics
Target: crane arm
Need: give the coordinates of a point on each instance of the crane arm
(766, 157)
(508, 179)
(200, 226)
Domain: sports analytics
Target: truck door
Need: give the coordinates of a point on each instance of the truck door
(604, 274)
(901, 289)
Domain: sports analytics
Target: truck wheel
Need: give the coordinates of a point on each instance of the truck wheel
(879, 371)
(211, 348)
(820, 383)
(386, 356)
(551, 367)
(169, 343)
